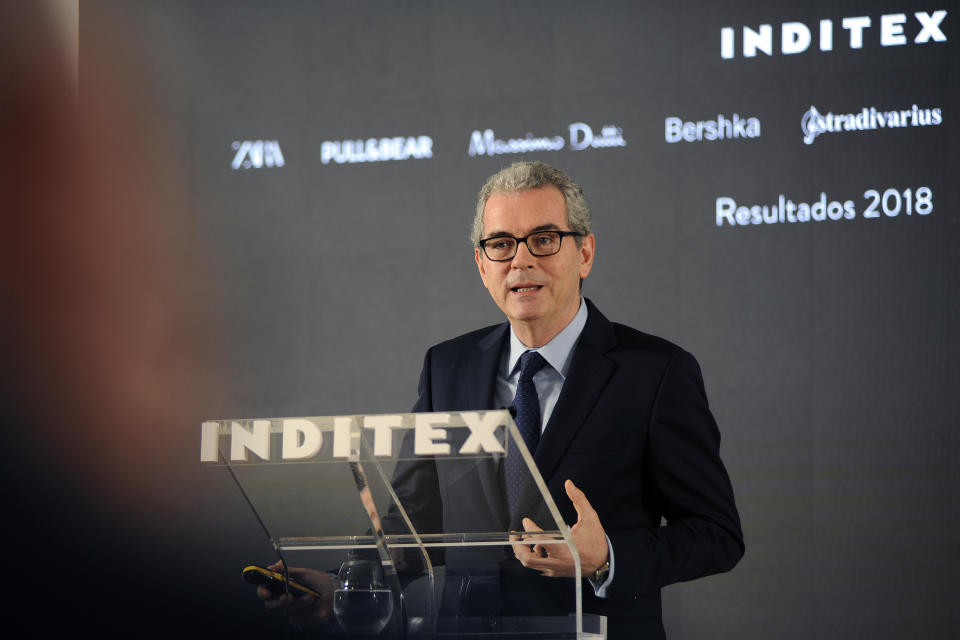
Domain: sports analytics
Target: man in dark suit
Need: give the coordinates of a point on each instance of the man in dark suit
(626, 436)
(617, 420)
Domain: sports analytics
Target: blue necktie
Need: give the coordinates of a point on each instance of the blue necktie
(527, 406)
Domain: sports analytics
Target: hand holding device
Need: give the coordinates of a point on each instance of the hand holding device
(310, 595)
(274, 583)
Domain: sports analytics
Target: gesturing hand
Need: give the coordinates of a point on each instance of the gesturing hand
(555, 560)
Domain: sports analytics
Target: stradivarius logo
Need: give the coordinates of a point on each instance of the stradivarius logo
(811, 125)
(814, 123)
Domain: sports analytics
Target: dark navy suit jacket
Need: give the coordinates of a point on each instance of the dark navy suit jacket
(633, 430)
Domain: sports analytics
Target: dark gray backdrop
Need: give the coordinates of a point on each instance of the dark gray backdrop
(828, 348)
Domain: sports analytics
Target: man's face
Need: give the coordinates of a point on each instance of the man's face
(539, 295)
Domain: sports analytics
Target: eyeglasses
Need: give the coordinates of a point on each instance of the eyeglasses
(540, 244)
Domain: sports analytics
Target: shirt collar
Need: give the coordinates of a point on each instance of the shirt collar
(557, 352)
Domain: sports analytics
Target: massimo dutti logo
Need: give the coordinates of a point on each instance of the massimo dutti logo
(580, 136)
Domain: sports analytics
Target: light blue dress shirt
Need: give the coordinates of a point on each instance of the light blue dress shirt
(549, 381)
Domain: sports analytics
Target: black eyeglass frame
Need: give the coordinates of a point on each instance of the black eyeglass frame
(561, 234)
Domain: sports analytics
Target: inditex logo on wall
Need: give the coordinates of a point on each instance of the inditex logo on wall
(815, 123)
(376, 149)
(895, 29)
(256, 154)
(723, 128)
(581, 136)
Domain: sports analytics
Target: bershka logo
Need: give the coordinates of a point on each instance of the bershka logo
(675, 129)
(256, 154)
(376, 149)
(581, 136)
(815, 123)
(895, 29)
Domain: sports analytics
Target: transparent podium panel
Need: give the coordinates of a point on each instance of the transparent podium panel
(407, 523)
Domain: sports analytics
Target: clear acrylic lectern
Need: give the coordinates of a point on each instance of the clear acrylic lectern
(409, 515)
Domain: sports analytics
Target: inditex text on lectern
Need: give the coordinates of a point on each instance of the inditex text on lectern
(411, 513)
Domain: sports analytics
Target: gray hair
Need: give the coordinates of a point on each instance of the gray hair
(522, 176)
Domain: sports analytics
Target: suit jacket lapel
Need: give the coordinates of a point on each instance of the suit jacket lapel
(470, 383)
(589, 372)
(477, 393)
(481, 379)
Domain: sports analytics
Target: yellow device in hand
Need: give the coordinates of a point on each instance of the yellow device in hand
(273, 581)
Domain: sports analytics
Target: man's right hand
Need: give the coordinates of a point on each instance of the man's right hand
(303, 609)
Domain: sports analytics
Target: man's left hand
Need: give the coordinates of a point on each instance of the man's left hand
(555, 560)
